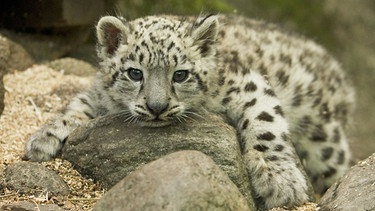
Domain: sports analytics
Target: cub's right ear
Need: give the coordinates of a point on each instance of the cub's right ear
(111, 32)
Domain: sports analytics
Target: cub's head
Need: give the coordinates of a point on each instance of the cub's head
(156, 68)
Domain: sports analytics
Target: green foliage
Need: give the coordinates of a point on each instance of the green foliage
(137, 8)
(306, 16)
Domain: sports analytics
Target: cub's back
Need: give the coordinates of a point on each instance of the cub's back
(303, 75)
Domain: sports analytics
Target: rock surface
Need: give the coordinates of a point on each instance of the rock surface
(29, 206)
(28, 177)
(72, 66)
(354, 191)
(185, 180)
(12, 57)
(107, 149)
(4, 54)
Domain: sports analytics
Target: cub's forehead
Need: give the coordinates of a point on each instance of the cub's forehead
(159, 27)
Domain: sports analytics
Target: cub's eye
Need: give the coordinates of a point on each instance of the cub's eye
(135, 74)
(180, 76)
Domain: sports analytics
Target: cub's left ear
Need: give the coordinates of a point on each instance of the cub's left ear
(111, 32)
(204, 33)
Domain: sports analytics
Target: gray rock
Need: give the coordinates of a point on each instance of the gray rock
(186, 180)
(28, 177)
(107, 149)
(29, 206)
(4, 55)
(12, 57)
(354, 191)
(72, 66)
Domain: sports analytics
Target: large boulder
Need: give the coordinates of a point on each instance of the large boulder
(354, 191)
(185, 180)
(107, 149)
(12, 57)
(4, 54)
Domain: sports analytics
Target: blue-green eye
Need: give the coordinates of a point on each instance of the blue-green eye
(180, 76)
(135, 74)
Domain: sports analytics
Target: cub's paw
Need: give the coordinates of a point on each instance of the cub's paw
(42, 146)
(279, 187)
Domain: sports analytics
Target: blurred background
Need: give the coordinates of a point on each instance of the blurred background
(65, 28)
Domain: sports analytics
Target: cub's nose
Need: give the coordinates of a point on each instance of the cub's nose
(157, 108)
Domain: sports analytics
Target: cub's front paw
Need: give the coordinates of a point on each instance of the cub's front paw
(42, 146)
(280, 187)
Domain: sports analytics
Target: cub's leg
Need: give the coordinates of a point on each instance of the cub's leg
(324, 152)
(268, 153)
(48, 141)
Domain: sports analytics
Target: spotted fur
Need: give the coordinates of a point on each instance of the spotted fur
(284, 94)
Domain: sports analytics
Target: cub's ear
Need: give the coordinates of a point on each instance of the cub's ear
(204, 33)
(111, 32)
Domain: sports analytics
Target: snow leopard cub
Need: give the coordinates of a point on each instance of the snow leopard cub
(282, 93)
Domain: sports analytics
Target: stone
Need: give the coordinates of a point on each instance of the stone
(72, 66)
(34, 14)
(29, 206)
(29, 177)
(354, 191)
(107, 149)
(185, 180)
(4, 55)
(12, 57)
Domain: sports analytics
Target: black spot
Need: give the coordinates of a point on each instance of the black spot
(317, 102)
(336, 135)
(175, 59)
(267, 136)
(242, 144)
(170, 46)
(250, 104)
(269, 92)
(84, 101)
(327, 153)
(272, 158)
(245, 124)
(286, 59)
(89, 115)
(222, 34)
(245, 71)
(49, 134)
(284, 137)
(259, 52)
(64, 122)
(221, 81)
(279, 148)
(283, 78)
(297, 100)
(230, 82)
(201, 84)
(261, 148)
(141, 57)
(250, 87)
(233, 89)
(114, 78)
(330, 172)
(278, 110)
(263, 69)
(341, 157)
(318, 135)
(226, 100)
(264, 116)
(304, 122)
